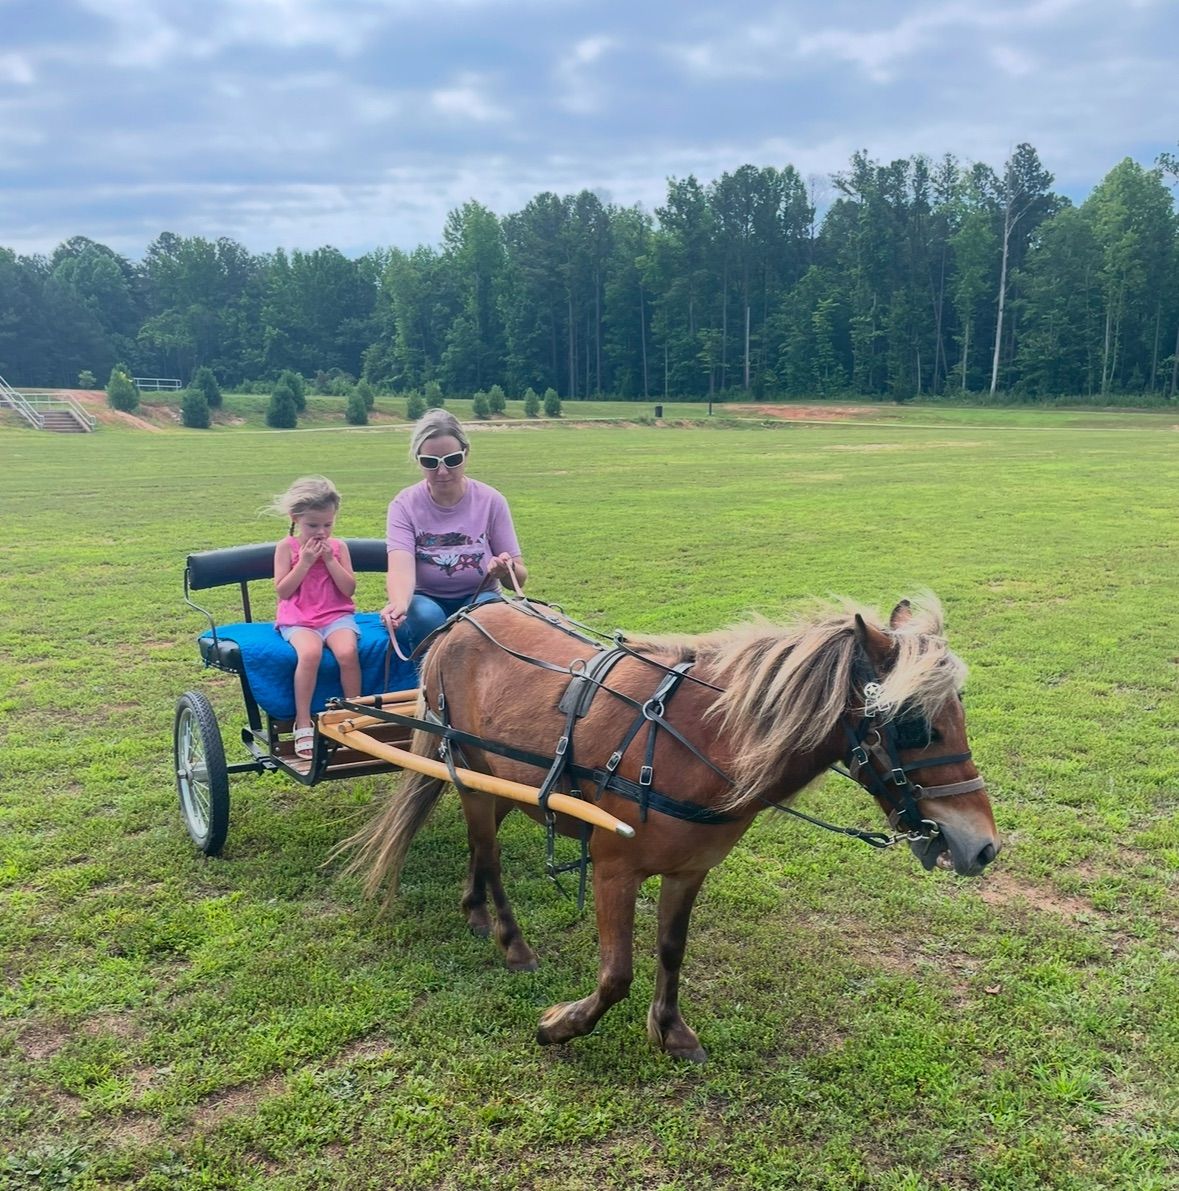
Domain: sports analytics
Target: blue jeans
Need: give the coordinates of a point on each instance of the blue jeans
(426, 613)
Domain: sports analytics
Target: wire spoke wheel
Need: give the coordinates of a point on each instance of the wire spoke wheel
(202, 777)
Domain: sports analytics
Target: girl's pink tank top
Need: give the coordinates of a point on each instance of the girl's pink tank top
(317, 600)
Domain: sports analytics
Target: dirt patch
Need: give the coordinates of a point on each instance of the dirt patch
(1002, 889)
(94, 402)
(804, 413)
(136, 1131)
(38, 1043)
(235, 1101)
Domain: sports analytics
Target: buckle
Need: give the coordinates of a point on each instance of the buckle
(645, 775)
(614, 762)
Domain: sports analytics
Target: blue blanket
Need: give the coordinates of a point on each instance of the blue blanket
(269, 664)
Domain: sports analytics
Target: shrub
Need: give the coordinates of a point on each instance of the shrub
(366, 393)
(531, 403)
(356, 412)
(194, 409)
(496, 401)
(297, 386)
(87, 379)
(206, 381)
(283, 411)
(433, 394)
(480, 406)
(120, 392)
(552, 404)
(415, 406)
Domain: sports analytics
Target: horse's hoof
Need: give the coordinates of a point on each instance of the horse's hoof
(521, 958)
(680, 1042)
(697, 1055)
(481, 930)
(553, 1028)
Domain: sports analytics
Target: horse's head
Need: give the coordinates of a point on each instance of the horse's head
(908, 744)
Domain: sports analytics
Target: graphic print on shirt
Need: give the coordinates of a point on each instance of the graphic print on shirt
(446, 551)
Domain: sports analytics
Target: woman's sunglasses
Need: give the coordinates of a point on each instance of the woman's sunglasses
(430, 462)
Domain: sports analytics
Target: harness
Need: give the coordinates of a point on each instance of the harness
(873, 737)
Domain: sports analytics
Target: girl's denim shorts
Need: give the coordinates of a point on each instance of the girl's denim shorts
(341, 622)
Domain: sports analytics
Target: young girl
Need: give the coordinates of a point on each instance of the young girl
(314, 581)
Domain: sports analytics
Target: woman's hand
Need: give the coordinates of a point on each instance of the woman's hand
(393, 615)
(500, 567)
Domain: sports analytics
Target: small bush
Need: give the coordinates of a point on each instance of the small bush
(480, 406)
(206, 381)
(194, 409)
(356, 412)
(283, 411)
(120, 392)
(367, 395)
(87, 379)
(415, 406)
(295, 382)
(552, 404)
(433, 395)
(497, 402)
(531, 403)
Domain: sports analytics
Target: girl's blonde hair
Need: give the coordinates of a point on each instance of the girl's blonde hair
(305, 494)
(433, 424)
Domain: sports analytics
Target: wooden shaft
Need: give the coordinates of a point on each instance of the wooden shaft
(395, 696)
(349, 721)
(563, 804)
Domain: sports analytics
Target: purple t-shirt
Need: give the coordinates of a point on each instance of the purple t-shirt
(451, 546)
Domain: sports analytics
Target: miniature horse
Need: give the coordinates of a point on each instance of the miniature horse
(754, 714)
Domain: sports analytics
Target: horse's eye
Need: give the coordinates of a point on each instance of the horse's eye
(915, 732)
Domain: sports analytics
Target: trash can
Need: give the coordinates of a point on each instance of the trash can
(659, 411)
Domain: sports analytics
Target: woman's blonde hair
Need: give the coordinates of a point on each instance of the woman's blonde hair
(305, 494)
(433, 424)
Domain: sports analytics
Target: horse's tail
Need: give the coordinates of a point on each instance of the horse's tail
(379, 848)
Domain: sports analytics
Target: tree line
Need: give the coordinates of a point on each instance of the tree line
(920, 278)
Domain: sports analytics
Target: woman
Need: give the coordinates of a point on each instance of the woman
(446, 535)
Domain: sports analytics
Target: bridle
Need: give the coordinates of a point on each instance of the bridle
(873, 762)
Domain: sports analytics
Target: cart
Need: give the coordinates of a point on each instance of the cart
(347, 742)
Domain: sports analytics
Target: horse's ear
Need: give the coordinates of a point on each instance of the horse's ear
(876, 644)
(901, 614)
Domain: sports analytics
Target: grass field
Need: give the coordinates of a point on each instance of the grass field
(168, 1021)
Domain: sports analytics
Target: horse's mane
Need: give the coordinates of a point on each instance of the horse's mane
(786, 685)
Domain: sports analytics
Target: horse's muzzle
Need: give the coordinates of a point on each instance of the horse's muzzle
(965, 851)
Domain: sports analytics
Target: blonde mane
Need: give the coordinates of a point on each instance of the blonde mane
(787, 685)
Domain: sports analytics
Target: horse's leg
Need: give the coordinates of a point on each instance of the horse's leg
(666, 1028)
(615, 888)
(484, 815)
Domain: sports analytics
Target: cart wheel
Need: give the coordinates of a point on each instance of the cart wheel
(202, 778)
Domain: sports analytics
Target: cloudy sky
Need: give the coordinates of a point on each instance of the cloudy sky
(360, 123)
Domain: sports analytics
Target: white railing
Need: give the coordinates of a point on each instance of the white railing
(33, 409)
(156, 384)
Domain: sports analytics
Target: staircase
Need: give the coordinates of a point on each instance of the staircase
(64, 421)
(62, 414)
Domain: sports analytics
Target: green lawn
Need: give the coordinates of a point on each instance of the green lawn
(169, 1021)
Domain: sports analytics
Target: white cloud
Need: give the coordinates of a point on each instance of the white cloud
(17, 70)
(1012, 61)
(576, 79)
(467, 99)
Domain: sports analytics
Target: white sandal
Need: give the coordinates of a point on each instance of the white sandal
(304, 743)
